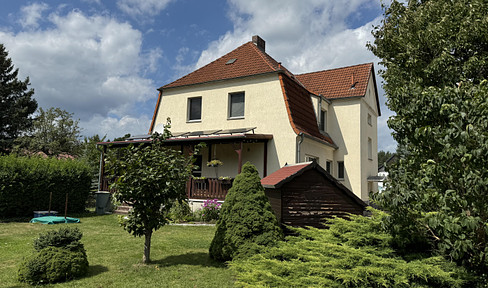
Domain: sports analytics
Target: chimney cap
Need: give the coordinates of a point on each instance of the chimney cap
(258, 41)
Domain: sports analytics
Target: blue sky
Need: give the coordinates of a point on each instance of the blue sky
(104, 60)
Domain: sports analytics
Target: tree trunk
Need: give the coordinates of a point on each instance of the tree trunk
(147, 247)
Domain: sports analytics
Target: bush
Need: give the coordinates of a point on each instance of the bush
(210, 210)
(64, 237)
(180, 212)
(59, 256)
(53, 264)
(25, 184)
(246, 221)
(351, 253)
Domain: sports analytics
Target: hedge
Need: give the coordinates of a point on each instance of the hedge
(26, 182)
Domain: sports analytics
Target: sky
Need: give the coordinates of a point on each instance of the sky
(103, 60)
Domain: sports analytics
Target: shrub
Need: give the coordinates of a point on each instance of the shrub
(180, 212)
(351, 253)
(246, 220)
(59, 256)
(64, 237)
(53, 264)
(210, 210)
(25, 184)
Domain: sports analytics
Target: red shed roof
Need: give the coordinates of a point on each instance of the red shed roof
(282, 174)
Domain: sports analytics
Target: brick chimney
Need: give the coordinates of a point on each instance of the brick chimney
(258, 41)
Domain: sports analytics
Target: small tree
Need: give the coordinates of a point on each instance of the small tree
(246, 219)
(16, 102)
(150, 178)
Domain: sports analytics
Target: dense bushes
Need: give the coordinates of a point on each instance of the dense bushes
(246, 220)
(351, 253)
(60, 257)
(25, 184)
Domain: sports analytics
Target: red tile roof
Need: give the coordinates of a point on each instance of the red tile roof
(300, 109)
(250, 60)
(343, 82)
(282, 174)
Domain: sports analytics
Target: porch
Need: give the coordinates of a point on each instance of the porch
(201, 189)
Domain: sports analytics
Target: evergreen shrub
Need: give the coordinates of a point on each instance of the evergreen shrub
(353, 252)
(26, 183)
(246, 221)
(59, 256)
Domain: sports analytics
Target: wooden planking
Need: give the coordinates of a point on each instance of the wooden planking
(274, 196)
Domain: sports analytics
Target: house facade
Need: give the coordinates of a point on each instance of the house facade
(247, 107)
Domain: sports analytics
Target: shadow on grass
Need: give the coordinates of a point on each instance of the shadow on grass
(197, 259)
(94, 270)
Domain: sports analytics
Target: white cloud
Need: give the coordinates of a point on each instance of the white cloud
(141, 8)
(114, 127)
(306, 36)
(87, 65)
(31, 14)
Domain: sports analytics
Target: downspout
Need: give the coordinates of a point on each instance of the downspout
(298, 147)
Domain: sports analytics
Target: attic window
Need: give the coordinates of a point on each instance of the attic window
(231, 61)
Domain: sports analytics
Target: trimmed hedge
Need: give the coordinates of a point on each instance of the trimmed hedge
(25, 184)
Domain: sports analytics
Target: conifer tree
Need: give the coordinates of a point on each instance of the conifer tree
(16, 102)
(246, 219)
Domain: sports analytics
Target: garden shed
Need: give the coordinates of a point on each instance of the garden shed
(304, 194)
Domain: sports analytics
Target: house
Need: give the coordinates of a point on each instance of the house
(304, 194)
(246, 106)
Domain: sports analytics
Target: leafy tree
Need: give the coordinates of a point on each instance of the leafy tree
(383, 156)
(436, 56)
(16, 102)
(246, 221)
(53, 132)
(150, 178)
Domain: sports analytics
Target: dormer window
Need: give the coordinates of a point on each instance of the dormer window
(236, 105)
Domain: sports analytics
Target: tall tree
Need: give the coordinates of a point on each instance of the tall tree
(436, 59)
(54, 132)
(151, 178)
(16, 102)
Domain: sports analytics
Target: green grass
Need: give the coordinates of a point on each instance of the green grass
(179, 255)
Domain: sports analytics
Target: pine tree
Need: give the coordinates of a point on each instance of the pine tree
(16, 102)
(246, 219)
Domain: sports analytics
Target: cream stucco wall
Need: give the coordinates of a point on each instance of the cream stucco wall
(264, 109)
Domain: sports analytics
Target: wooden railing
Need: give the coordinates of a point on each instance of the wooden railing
(210, 188)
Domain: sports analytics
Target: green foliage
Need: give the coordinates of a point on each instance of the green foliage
(351, 253)
(383, 156)
(60, 257)
(26, 183)
(246, 221)
(180, 212)
(53, 132)
(16, 103)
(68, 238)
(436, 56)
(150, 177)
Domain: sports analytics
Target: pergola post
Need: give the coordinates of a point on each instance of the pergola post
(238, 150)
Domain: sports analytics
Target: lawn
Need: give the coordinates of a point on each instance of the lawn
(179, 254)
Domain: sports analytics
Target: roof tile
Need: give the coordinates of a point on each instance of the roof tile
(283, 173)
(343, 82)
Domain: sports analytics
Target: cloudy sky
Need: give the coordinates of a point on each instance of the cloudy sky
(104, 60)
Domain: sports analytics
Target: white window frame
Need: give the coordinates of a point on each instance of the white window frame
(229, 108)
(329, 163)
(310, 158)
(370, 120)
(188, 118)
(323, 120)
(370, 149)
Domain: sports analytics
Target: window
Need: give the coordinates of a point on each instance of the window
(323, 121)
(328, 166)
(195, 109)
(370, 149)
(310, 158)
(370, 121)
(340, 169)
(236, 105)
